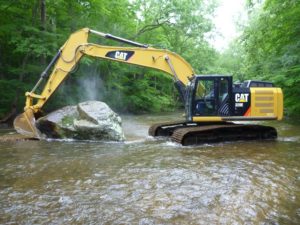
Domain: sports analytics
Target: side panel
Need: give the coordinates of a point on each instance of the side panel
(280, 106)
(241, 101)
(208, 102)
(266, 102)
(251, 104)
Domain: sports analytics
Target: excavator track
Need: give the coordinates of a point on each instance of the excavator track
(165, 129)
(195, 133)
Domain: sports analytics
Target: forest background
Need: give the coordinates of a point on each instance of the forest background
(32, 31)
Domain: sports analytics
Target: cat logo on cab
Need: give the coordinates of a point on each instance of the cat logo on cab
(241, 97)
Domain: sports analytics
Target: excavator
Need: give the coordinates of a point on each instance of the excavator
(213, 103)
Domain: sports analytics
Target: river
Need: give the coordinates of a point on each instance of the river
(151, 181)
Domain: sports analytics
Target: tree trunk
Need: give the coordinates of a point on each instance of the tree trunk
(43, 25)
(1, 62)
(9, 117)
(21, 77)
(43, 14)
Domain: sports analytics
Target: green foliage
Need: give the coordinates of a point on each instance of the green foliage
(272, 47)
(7, 97)
(179, 26)
(148, 92)
(230, 62)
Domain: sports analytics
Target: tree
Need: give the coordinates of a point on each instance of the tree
(271, 47)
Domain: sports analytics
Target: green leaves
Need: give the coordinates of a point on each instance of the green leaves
(272, 48)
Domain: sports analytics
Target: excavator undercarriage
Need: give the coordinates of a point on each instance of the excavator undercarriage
(186, 133)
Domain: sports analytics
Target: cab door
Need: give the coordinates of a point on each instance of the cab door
(212, 96)
(224, 90)
(204, 97)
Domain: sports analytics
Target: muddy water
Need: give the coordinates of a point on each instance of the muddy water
(151, 181)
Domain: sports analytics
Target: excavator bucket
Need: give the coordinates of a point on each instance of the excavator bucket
(25, 124)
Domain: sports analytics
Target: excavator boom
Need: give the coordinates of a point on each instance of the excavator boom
(75, 48)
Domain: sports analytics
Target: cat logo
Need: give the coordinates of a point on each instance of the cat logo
(241, 97)
(121, 55)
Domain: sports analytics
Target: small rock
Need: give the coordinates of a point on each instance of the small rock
(65, 200)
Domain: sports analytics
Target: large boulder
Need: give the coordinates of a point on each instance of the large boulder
(91, 120)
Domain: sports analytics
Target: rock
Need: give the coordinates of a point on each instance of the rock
(91, 120)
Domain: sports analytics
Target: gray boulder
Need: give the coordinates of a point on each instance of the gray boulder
(91, 120)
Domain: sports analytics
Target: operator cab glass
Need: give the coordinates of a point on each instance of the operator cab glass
(212, 96)
(205, 97)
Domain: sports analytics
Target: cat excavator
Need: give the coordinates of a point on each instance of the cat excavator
(212, 102)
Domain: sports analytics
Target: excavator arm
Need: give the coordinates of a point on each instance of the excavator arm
(75, 48)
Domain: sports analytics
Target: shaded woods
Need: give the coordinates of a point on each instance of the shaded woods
(32, 31)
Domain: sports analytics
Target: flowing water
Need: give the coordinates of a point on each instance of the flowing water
(151, 181)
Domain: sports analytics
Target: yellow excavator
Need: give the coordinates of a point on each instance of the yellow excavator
(212, 102)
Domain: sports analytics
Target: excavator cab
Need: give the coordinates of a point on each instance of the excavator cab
(209, 96)
(215, 98)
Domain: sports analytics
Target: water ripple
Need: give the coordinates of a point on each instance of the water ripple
(150, 181)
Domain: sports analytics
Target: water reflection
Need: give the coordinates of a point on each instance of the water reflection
(149, 181)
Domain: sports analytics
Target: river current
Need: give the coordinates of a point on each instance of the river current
(151, 181)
